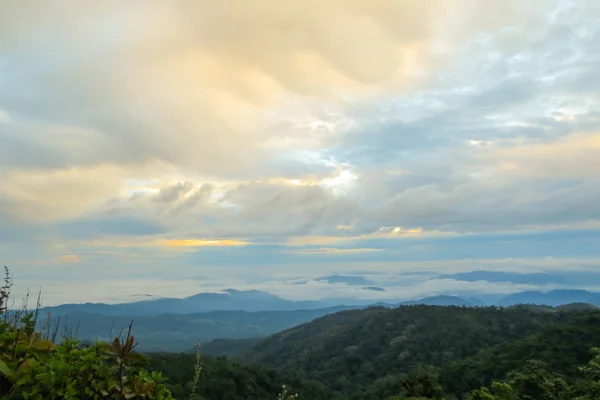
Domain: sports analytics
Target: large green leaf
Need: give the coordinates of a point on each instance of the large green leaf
(6, 371)
(42, 345)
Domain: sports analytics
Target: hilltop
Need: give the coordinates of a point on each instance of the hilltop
(370, 351)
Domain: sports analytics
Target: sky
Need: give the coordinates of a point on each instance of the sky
(176, 147)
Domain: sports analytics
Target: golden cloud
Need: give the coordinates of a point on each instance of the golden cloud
(382, 233)
(46, 195)
(193, 83)
(572, 156)
(203, 243)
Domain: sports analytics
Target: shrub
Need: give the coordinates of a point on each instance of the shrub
(33, 367)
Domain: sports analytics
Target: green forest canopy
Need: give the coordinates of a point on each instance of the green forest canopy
(418, 352)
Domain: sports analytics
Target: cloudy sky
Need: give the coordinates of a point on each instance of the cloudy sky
(175, 147)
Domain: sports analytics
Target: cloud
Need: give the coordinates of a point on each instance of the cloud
(4, 117)
(333, 250)
(106, 225)
(569, 157)
(192, 83)
(44, 195)
(249, 135)
(570, 278)
(69, 258)
(188, 83)
(203, 243)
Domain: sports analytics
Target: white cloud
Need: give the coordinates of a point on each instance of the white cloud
(280, 122)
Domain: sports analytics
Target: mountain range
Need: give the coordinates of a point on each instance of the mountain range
(256, 300)
(236, 314)
(178, 332)
(573, 278)
(227, 300)
(408, 352)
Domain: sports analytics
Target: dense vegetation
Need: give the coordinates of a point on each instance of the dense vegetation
(200, 316)
(410, 352)
(33, 367)
(222, 379)
(370, 353)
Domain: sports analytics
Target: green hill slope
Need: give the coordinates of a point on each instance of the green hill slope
(222, 379)
(368, 352)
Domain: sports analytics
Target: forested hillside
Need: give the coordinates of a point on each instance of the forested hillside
(155, 318)
(408, 352)
(425, 352)
(369, 353)
(223, 379)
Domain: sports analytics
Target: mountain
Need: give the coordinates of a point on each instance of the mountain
(476, 301)
(368, 353)
(235, 314)
(374, 288)
(229, 299)
(349, 280)
(441, 300)
(256, 300)
(154, 320)
(575, 278)
(538, 278)
(177, 332)
(551, 298)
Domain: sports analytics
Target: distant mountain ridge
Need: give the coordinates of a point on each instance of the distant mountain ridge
(227, 300)
(574, 278)
(210, 316)
(552, 298)
(256, 300)
(538, 278)
(442, 300)
(178, 332)
(353, 280)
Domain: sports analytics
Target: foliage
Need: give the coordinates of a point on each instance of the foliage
(33, 367)
(535, 382)
(285, 395)
(563, 346)
(422, 383)
(197, 371)
(223, 379)
(368, 354)
(409, 353)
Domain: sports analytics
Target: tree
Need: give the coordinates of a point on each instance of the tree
(498, 391)
(589, 387)
(534, 382)
(421, 382)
